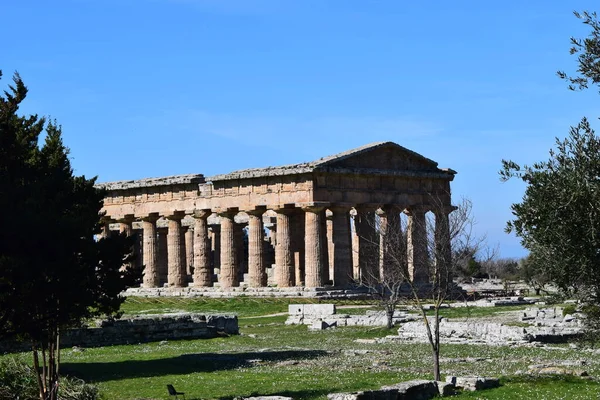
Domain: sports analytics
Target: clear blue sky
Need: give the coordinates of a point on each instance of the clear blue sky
(148, 88)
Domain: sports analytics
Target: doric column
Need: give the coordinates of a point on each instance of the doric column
(105, 227)
(341, 246)
(417, 245)
(284, 266)
(215, 237)
(315, 262)
(325, 247)
(189, 250)
(229, 262)
(368, 242)
(355, 245)
(163, 260)
(297, 238)
(126, 226)
(443, 251)
(392, 254)
(257, 274)
(176, 251)
(330, 246)
(202, 268)
(150, 251)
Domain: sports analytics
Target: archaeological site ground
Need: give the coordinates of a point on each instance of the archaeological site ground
(253, 286)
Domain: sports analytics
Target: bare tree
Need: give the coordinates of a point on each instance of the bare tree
(390, 270)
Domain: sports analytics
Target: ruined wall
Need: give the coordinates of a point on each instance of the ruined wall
(149, 328)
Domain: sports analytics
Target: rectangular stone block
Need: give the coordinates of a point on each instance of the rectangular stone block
(319, 309)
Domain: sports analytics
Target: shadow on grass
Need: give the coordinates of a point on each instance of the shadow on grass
(294, 394)
(180, 365)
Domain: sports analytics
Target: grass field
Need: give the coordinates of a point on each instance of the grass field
(270, 358)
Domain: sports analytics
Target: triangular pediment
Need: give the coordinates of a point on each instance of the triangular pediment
(379, 156)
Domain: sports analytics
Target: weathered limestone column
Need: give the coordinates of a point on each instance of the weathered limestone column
(150, 251)
(126, 226)
(330, 246)
(241, 257)
(297, 237)
(342, 247)
(176, 251)
(284, 270)
(105, 227)
(325, 247)
(443, 251)
(216, 247)
(355, 246)
(315, 262)
(392, 254)
(229, 262)
(257, 274)
(368, 242)
(202, 268)
(163, 260)
(189, 250)
(417, 245)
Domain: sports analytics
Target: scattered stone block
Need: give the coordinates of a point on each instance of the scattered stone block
(444, 388)
(473, 383)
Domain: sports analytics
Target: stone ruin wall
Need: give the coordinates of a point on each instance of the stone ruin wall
(142, 329)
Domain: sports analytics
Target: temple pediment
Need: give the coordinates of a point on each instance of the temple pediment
(378, 156)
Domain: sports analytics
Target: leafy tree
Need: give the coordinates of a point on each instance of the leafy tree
(54, 274)
(559, 217)
(391, 283)
(533, 271)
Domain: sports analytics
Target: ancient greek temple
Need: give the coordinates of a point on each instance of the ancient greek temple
(311, 224)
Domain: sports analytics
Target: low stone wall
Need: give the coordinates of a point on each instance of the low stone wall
(142, 329)
(191, 292)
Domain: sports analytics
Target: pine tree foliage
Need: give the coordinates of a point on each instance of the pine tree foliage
(54, 274)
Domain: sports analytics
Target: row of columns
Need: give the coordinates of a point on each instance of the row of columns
(307, 247)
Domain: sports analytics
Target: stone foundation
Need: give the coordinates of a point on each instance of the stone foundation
(142, 329)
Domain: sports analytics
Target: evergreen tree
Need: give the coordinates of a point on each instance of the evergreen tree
(54, 274)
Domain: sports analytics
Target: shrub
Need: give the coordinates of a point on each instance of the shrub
(18, 381)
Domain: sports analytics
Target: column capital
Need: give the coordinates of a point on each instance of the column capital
(150, 217)
(203, 213)
(256, 210)
(227, 212)
(417, 208)
(283, 208)
(176, 215)
(127, 219)
(447, 209)
(390, 208)
(340, 208)
(366, 207)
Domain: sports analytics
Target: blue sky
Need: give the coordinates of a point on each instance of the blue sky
(148, 88)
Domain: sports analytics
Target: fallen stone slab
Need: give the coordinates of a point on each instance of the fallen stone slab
(556, 370)
(473, 383)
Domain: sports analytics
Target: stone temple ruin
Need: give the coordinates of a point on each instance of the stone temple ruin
(294, 225)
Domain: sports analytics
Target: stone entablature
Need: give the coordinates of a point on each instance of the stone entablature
(317, 215)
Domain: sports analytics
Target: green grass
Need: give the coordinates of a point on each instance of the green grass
(271, 358)
(527, 387)
(245, 306)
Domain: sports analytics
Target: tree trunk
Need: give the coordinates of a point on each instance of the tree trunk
(390, 316)
(436, 363)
